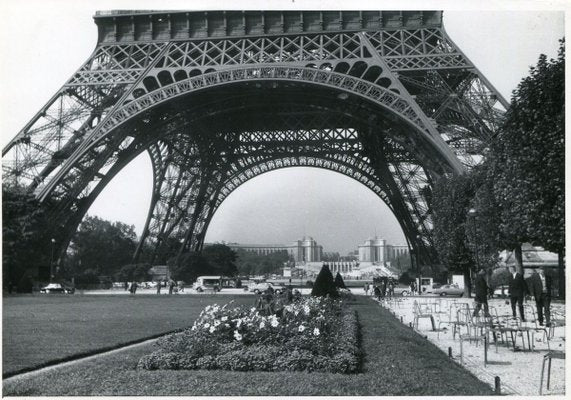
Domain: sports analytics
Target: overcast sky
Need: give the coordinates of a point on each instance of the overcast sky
(42, 43)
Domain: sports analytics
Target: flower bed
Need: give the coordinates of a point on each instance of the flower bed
(312, 334)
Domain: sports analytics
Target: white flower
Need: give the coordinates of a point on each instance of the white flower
(253, 309)
(306, 309)
(212, 329)
(262, 325)
(275, 322)
(216, 323)
(206, 325)
(239, 323)
(316, 332)
(224, 318)
(301, 328)
(237, 336)
(193, 328)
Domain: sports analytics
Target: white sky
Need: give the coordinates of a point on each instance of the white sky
(42, 43)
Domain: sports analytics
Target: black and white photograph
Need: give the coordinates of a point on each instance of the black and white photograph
(283, 198)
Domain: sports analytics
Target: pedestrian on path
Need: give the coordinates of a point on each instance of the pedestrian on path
(159, 287)
(540, 288)
(481, 294)
(377, 292)
(366, 287)
(518, 289)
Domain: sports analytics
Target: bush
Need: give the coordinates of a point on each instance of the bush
(253, 342)
(324, 284)
(339, 283)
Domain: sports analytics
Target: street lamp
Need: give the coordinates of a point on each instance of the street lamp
(418, 265)
(472, 213)
(52, 260)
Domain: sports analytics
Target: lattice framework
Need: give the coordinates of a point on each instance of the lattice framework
(128, 98)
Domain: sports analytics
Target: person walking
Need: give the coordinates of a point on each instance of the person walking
(377, 292)
(159, 287)
(391, 288)
(518, 289)
(366, 287)
(481, 294)
(171, 286)
(383, 288)
(540, 288)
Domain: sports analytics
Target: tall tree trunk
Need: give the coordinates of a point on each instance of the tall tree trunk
(518, 258)
(467, 283)
(561, 270)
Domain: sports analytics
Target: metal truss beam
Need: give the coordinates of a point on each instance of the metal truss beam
(387, 98)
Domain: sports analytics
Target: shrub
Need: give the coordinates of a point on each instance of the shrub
(339, 283)
(313, 334)
(324, 284)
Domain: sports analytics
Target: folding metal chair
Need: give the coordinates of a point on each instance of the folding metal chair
(560, 355)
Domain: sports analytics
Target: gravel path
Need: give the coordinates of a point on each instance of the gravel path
(519, 370)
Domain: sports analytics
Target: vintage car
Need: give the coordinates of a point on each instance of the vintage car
(449, 290)
(57, 288)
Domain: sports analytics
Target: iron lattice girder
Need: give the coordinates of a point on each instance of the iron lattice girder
(138, 56)
(402, 61)
(176, 217)
(401, 106)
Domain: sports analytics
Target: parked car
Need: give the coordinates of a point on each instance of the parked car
(263, 286)
(57, 288)
(449, 290)
(401, 290)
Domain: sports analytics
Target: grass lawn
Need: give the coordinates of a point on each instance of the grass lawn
(397, 362)
(39, 330)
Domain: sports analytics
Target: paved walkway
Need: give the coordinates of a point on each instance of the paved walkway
(519, 370)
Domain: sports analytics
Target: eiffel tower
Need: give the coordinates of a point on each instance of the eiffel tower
(219, 97)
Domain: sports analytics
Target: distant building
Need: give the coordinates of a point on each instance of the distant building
(261, 249)
(304, 250)
(376, 250)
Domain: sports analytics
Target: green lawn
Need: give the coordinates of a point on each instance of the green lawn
(38, 330)
(397, 362)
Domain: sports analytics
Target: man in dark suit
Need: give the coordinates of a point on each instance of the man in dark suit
(481, 293)
(518, 289)
(540, 287)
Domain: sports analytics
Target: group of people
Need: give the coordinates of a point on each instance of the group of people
(539, 286)
(172, 286)
(380, 290)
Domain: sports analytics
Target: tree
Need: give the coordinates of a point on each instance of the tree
(324, 284)
(133, 272)
(24, 241)
(339, 282)
(330, 256)
(483, 234)
(102, 246)
(222, 258)
(251, 263)
(402, 262)
(528, 163)
(405, 278)
(190, 266)
(451, 199)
